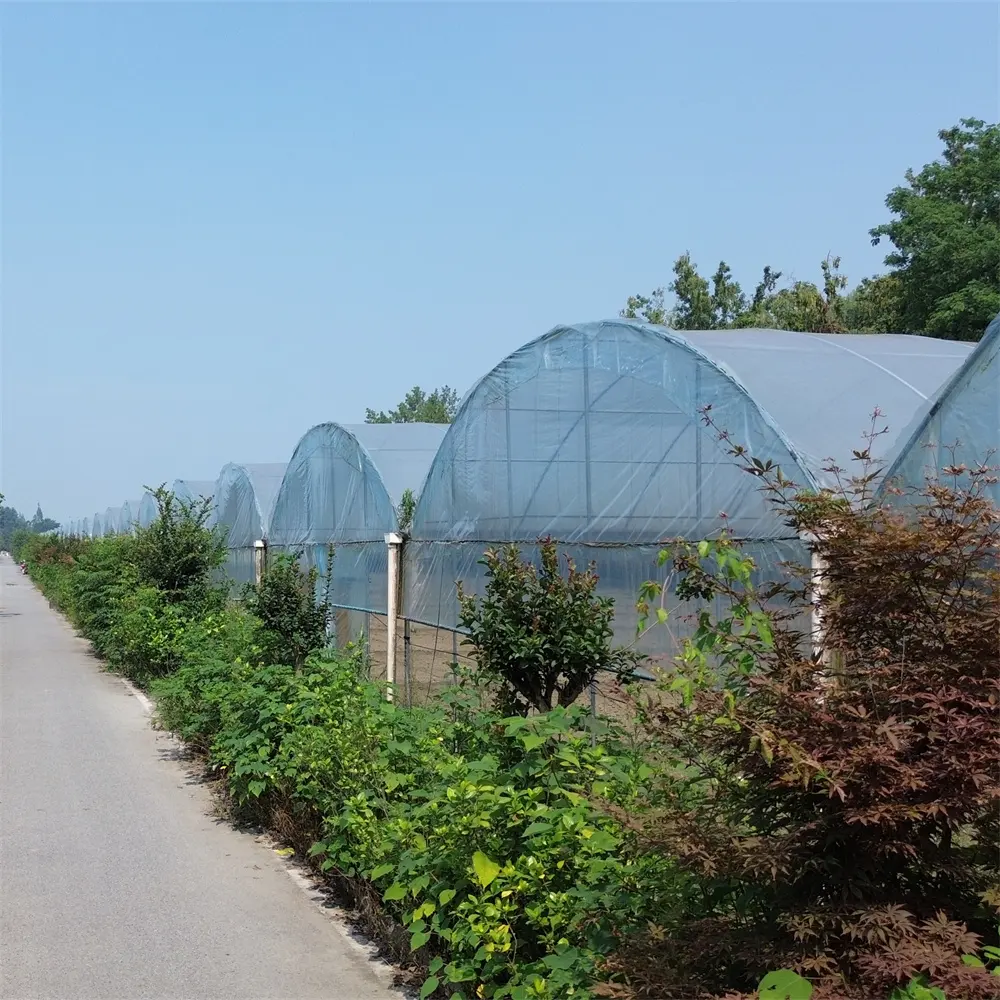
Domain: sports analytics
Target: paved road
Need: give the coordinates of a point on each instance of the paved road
(116, 883)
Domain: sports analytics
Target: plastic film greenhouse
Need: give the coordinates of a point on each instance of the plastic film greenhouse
(147, 510)
(594, 435)
(244, 501)
(193, 490)
(341, 488)
(961, 425)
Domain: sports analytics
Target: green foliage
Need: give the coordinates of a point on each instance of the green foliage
(144, 601)
(476, 830)
(946, 235)
(178, 553)
(439, 407)
(722, 304)
(14, 527)
(783, 984)
(295, 621)
(945, 277)
(407, 508)
(538, 636)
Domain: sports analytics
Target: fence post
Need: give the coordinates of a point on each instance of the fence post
(407, 662)
(394, 541)
(259, 560)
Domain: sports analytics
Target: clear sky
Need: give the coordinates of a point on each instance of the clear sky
(223, 223)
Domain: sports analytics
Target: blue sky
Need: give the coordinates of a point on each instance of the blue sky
(223, 223)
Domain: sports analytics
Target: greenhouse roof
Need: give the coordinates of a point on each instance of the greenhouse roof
(193, 489)
(402, 453)
(960, 424)
(265, 478)
(821, 389)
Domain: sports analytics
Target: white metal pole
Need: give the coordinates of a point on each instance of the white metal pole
(394, 542)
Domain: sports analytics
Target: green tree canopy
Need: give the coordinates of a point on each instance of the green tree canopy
(438, 407)
(720, 303)
(946, 235)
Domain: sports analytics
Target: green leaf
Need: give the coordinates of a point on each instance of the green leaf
(419, 940)
(564, 960)
(485, 869)
(784, 985)
(395, 891)
(381, 871)
(446, 896)
(538, 827)
(532, 742)
(431, 983)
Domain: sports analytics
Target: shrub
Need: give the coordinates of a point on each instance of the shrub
(178, 553)
(476, 830)
(295, 621)
(539, 636)
(846, 812)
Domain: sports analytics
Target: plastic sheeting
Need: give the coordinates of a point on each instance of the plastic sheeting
(244, 501)
(111, 522)
(960, 425)
(341, 488)
(129, 516)
(148, 511)
(97, 526)
(593, 434)
(195, 490)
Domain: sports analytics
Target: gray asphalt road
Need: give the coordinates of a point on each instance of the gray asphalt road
(116, 882)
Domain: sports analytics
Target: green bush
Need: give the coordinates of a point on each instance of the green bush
(178, 553)
(477, 830)
(538, 636)
(295, 622)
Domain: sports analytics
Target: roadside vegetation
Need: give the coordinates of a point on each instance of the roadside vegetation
(771, 823)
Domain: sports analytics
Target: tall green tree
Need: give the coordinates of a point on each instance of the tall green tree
(438, 407)
(40, 523)
(946, 235)
(720, 303)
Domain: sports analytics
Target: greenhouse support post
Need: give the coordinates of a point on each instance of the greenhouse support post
(394, 543)
(259, 560)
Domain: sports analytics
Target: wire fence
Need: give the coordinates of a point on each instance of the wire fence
(431, 659)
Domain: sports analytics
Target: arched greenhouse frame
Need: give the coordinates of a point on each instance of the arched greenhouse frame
(595, 435)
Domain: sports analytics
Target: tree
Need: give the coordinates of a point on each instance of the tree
(946, 235)
(875, 306)
(721, 304)
(439, 407)
(540, 637)
(842, 805)
(40, 523)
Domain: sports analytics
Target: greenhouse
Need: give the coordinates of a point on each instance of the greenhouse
(194, 491)
(595, 435)
(111, 522)
(244, 502)
(129, 516)
(97, 526)
(961, 425)
(147, 511)
(342, 487)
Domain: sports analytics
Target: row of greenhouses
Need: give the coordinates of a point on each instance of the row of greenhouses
(608, 437)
